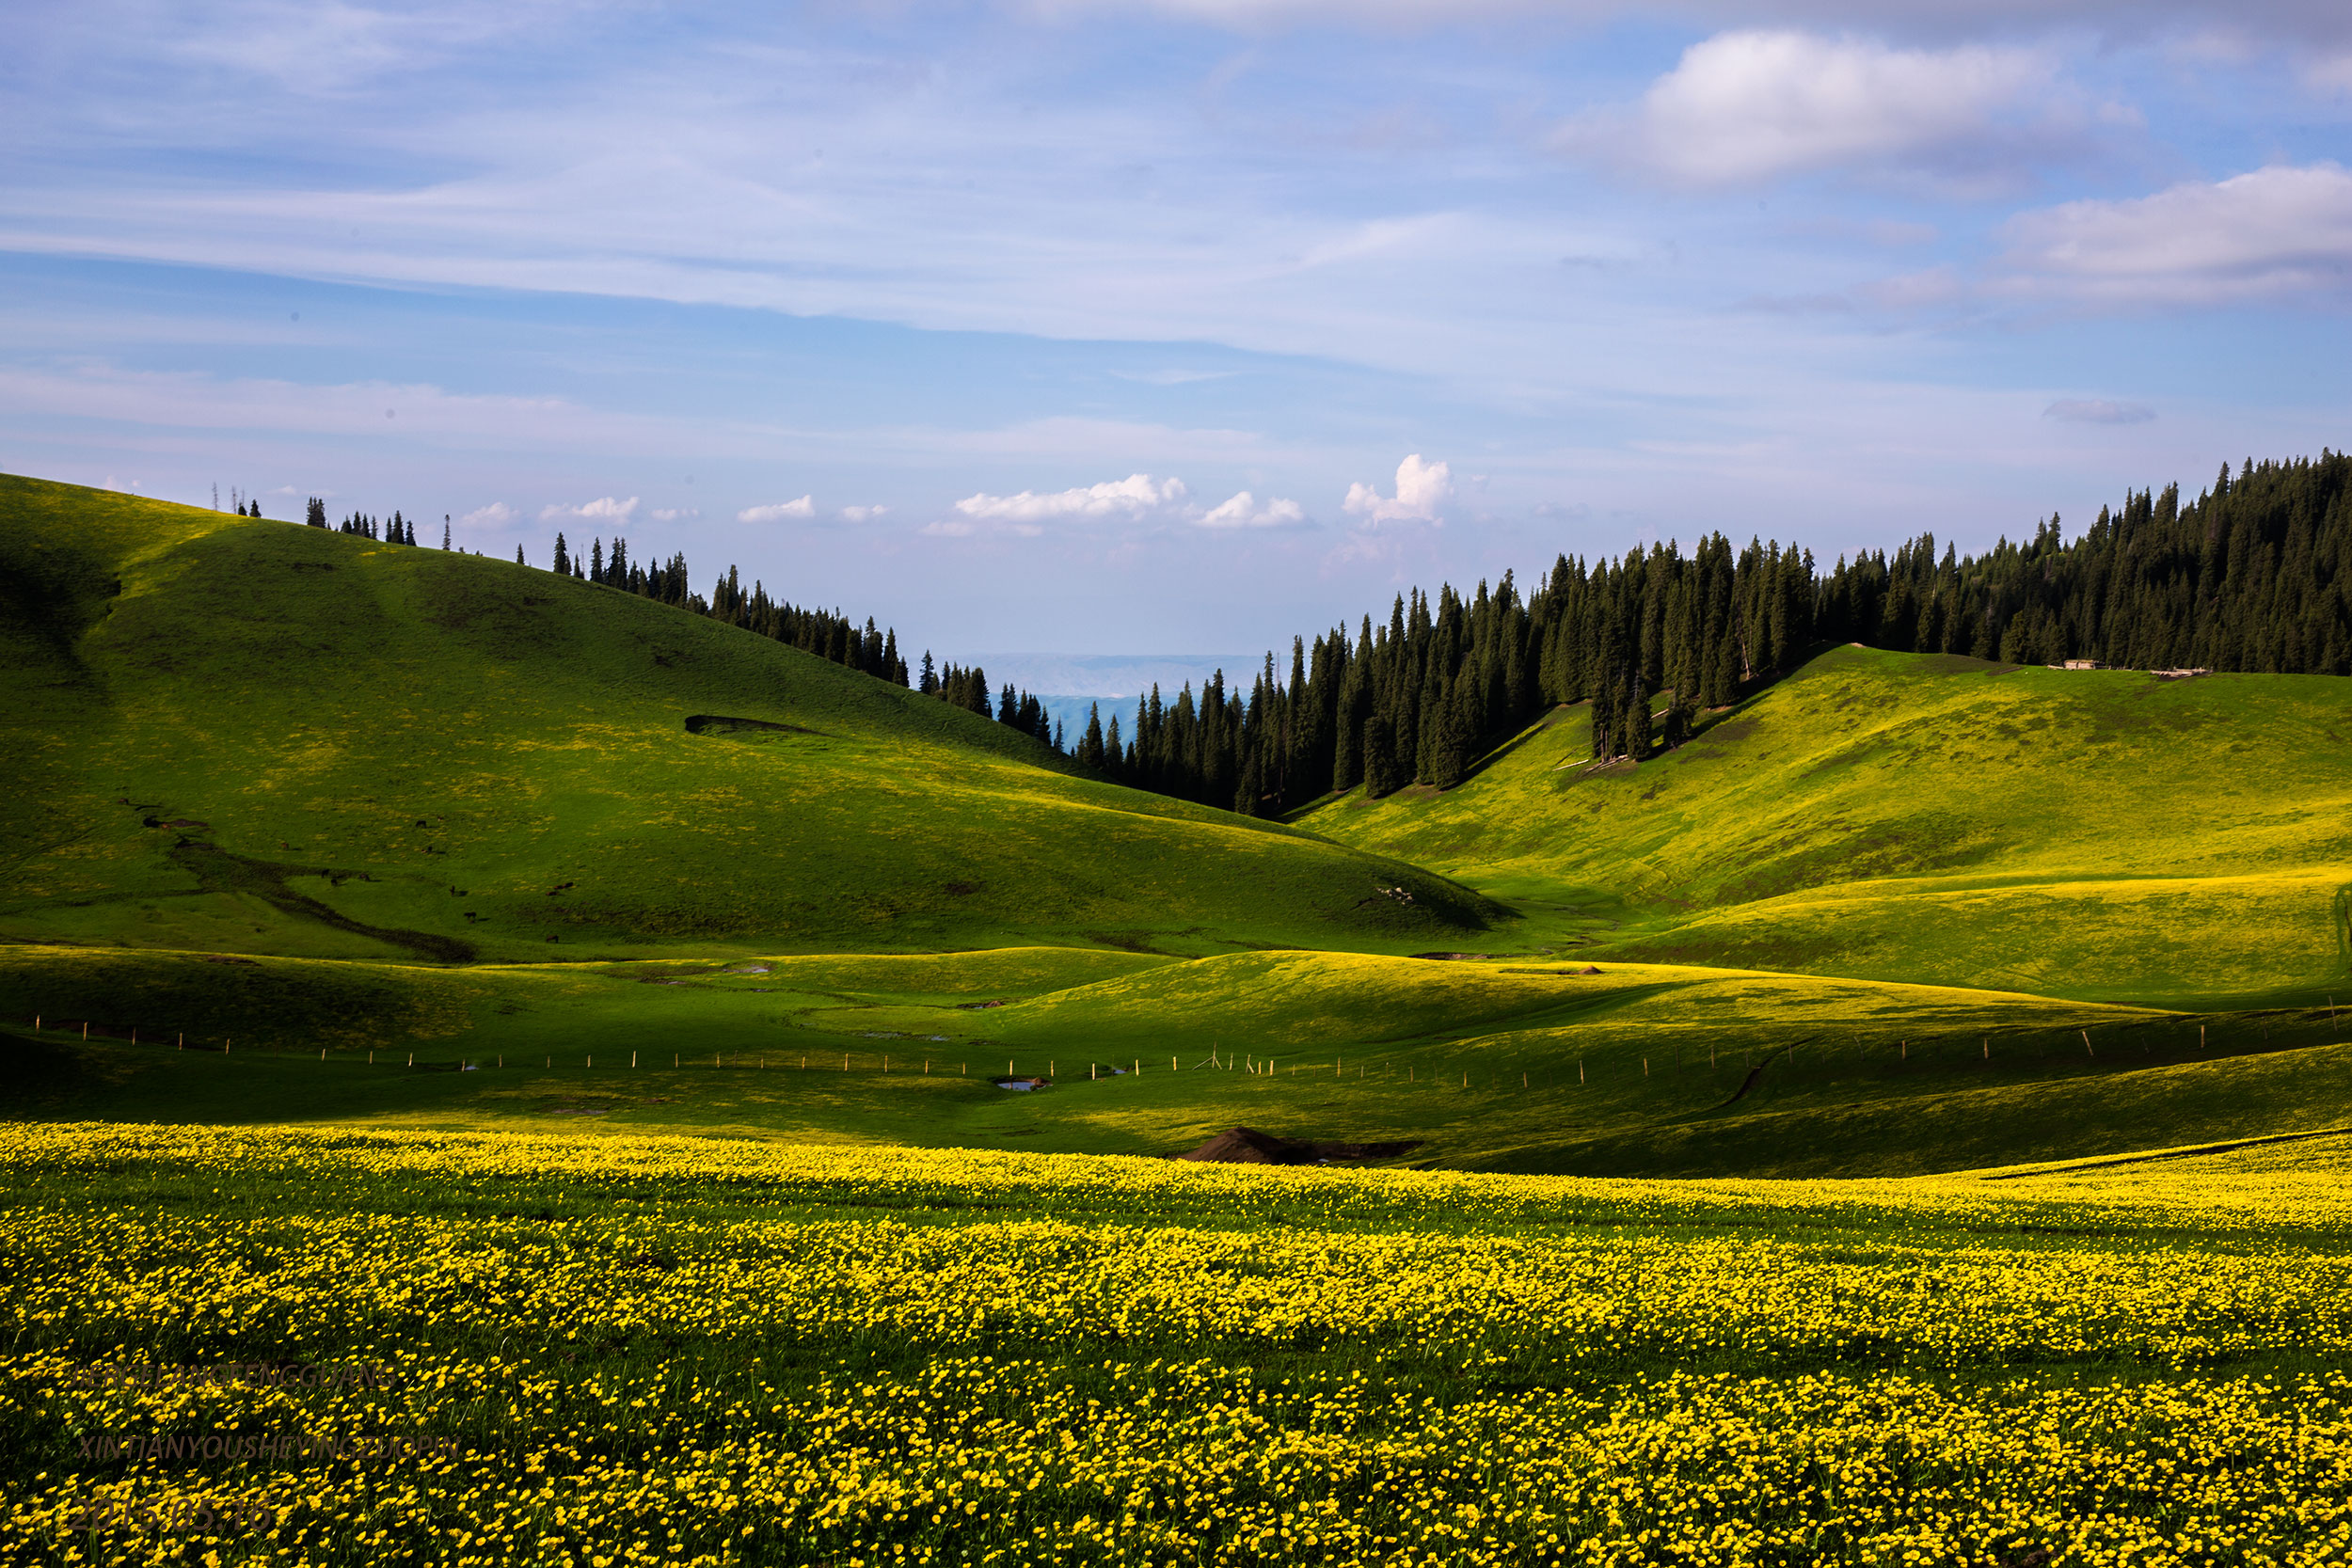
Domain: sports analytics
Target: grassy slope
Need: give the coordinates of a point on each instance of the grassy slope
(348, 747)
(2100, 834)
(339, 740)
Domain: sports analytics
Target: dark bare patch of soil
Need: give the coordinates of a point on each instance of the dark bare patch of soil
(1247, 1146)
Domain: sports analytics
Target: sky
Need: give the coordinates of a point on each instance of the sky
(1126, 327)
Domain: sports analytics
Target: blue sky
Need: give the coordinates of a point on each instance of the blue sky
(1090, 325)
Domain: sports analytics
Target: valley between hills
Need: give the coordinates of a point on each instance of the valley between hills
(294, 810)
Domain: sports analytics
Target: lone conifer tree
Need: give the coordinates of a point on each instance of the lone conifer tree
(562, 555)
(444, 530)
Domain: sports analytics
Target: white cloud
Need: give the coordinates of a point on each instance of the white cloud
(861, 514)
(2098, 411)
(1243, 510)
(779, 512)
(2276, 231)
(1422, 490)
(677, 513)
(1136, 497)
(605, 509)
(496, 514)
(1750, 105)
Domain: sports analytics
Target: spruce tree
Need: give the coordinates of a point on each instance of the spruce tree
(562, 555)
(1634, 728)
(1381, 774)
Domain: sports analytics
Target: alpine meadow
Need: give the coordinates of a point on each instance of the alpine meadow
(1176, 784)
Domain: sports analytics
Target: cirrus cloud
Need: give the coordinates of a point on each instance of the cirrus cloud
(2098, 411)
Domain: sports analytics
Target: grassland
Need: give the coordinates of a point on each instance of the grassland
(2099, 834)
(310, 794)
(628, 1351)
(1629, 1068)
(246, 736)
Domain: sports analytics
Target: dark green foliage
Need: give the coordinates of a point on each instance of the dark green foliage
(2249, 576)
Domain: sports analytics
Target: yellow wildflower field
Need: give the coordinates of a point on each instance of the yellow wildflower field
(237, 1345)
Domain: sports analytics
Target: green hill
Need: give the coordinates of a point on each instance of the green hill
(2105, 834)
(437, 840)
(257, 737)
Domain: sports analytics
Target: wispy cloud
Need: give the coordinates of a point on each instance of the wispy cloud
(2098, 411)
(496, 514)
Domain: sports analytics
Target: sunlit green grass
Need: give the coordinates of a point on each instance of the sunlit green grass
(2099, 834)
(354, 750)
(309, 794)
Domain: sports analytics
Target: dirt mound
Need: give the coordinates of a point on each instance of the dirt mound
(1247, 1146)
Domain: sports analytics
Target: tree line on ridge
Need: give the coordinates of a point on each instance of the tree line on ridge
(2255, 574)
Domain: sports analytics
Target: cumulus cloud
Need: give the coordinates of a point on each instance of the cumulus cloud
(1754, 105)
(2277, 230)
(605, 509)
(1243, 510)
(496, 514)
(2098, 411)
(1136, 497)
(1422, 490)
(861, 514)
(779, 512)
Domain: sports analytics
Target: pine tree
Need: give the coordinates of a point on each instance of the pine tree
(445, 530)
(1381, 774)
(314, 513)
(562, 555)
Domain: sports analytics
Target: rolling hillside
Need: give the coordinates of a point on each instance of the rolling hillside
(396, 837)
(251, 736)
(2100, 834)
